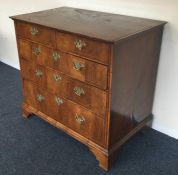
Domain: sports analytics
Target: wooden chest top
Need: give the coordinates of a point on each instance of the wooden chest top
(99, 25)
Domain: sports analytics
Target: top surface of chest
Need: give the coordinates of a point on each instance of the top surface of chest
(99, 25)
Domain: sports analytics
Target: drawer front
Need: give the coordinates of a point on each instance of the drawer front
(95, 50)
(40, 76)
(55, 106)
(84, 70)
(25, 49)
(56, 82)
(36, 33)
(29, 94)
(87, 96)
(33, 52)
(79, 68)
(70, 114)
(33, 72)
(77, 118)
(73, 66)
(34, 96)
(83, 121)
(27, 69)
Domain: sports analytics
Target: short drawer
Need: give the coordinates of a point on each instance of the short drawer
(56, 82)
(27, 69)
(36, 33)
(33, 72)
(34, 96)
(34, 52)
(87, 96)
(25, 49)
(92, 49)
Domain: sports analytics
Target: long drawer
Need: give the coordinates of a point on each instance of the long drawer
(76, 67)
(62, 110)
(57, 82)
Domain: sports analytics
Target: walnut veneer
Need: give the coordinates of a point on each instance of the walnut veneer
(91, 74)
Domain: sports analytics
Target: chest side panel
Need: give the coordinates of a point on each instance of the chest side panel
(135, 64)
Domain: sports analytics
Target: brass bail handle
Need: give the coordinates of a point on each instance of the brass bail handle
(79, 119)
(34, 31)
(36, 51)
(40, 98)
(59, 101)
(78, 66)
(57, 77)
(56, 56)
(39, 73)
(79, 91)
(79, 44)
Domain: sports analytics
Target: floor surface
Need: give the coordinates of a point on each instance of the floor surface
(33, 147)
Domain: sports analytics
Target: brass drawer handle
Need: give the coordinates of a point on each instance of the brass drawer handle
(79, 119)
(79, 44)
(57, 77)
(34, 31)
(77, 66)
(79, 91)
(40, 98)
(56, 56)
(59, 101)
(39, 73)
(36, 51)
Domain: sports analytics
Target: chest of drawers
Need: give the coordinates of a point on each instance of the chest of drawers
(90, 74)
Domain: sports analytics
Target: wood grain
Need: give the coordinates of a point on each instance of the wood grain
(133, 81)
(92, 127)
(93, 49)
(93, 98)
(92, 72)
(44, 35)
(119, 57)
(99, 25)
